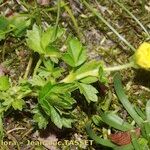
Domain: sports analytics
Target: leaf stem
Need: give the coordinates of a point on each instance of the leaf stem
(37, 66)
(28, 68)
(72, 75)
(119, 67)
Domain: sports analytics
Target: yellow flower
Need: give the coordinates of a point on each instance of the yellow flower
(142, 56)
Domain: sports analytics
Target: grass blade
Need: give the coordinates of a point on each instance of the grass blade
(147, 129)
(148, 111)
(126, 147)
(115, 121)
(124, 100)
(96, 138)
(76, 27)
(135, 142)
(138, 22)
(140, 112)
(96, 13)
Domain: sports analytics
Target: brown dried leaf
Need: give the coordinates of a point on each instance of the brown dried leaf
(123, 138)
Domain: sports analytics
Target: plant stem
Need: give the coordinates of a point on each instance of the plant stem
(95, 72)
(28, 68)
(14, 129)
(37, 66)
(58, 13)
(55, 7)
(58, 16)
(119, 67)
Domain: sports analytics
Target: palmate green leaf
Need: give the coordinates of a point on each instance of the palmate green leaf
(41, 41)
(40, 118)
(19, 24)
(18, 104)
(42, 122)
(57, 95)
(55, 117)
(34, 39)
(54, 99)
(89, 92)
(50, 35)
(49, 70)
(57, 72)
(76, 53)
(4, 83)
(37, 81)
(46, 90)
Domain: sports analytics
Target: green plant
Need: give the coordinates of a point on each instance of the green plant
(54, 96)
(114, 121)
(59, 79)
(48, 83)
(16, 25)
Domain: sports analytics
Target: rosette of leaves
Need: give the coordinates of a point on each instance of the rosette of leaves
(55, 102)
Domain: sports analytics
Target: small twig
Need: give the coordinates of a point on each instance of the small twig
(14, 129)
(14, 139)
(96, 13)
(73, 20)
(3, 4)
(28, 132)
